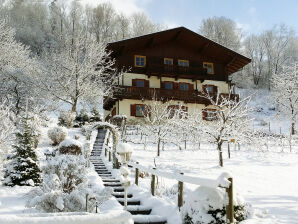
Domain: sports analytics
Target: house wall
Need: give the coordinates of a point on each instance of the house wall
(124, 107)
(154, 82)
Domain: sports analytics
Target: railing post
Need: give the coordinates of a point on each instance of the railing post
(106, 151)
(110, 156)
(137, 175)
(153, 184)
(230, 206)
(180, 193)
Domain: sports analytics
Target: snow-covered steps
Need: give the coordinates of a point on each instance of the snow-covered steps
(149, 219)
(139, 210)
(130, 201)
(121, 195)
(141, 214)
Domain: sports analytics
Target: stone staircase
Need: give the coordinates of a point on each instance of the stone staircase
(141, 214)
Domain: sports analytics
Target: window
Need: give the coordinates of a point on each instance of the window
(168, 61)
(140, 61)
(209, 114)
(183, 63)
(184, 86)
(211, 89)
(174, 109)
(140, 110)
(168, 85)
(140, 83)
(209, 67)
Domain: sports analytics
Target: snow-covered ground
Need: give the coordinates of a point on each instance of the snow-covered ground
(267, 180)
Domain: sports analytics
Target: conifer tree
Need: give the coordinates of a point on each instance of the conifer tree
(23, 169)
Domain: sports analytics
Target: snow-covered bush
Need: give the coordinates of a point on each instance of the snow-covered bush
(65, 186)
(57, 135)
(95, 115)
(82, 118)
(23, 168)
(207, 206)
(66, 118)
(70, 146)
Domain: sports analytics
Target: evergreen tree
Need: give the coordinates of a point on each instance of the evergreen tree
(23, 168)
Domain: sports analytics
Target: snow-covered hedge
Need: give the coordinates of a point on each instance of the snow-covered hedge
(207, 206)
(65, 186)
(70, 146)
(67, 118)
(57, 135)
(112, 217)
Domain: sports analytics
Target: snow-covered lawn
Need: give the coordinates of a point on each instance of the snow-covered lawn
(267, 180)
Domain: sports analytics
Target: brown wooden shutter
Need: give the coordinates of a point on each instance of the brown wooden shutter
(214, 89)
(176, 85)
(204, 114)
(134, 82)
(163, 86)
(132, 110)
(190, 87)
(204, 89)
(147, 83)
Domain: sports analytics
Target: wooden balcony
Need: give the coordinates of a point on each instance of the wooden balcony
(141, 93)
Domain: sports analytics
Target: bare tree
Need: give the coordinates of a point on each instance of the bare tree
(285, 92)
(157, 117)
(223, 31)
(82, 69)
(226, 119)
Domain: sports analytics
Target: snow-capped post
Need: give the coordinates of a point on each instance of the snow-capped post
(125, 151)
(153, 183)
(230, 206)
(137, 175)
(180, 193)
(87, 202)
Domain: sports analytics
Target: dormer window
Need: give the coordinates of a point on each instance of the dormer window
(183, 63)
(168, 61)
(140, 61)
(209, 67)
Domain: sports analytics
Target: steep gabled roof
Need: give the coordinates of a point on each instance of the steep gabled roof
(202, 45)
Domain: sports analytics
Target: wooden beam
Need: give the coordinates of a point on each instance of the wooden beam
(231, 61)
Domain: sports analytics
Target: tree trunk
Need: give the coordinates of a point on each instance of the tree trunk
(293, 128)
(220, 154)
(158, 147)
(74, 106)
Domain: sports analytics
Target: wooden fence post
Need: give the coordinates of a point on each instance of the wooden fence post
(229, 151)
(230, 206)
(153, 184)
(106, 151)
(110, 156)
(180, 193)
(137, 175)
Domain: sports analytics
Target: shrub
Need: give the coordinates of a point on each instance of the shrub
(65, 186)
(82, 118)
(57, 135)
(70, 146)
(67, 118)
(95, 115)
(207, 206)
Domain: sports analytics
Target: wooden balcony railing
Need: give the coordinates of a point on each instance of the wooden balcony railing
(141, 93)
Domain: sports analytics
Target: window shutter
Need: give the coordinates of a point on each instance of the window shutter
(163, 86)
(134, 82)
(204, 114)
(204, 89)
(133, 110)
(176, 85)
(214, 89)
(147, 83)
(190, 87)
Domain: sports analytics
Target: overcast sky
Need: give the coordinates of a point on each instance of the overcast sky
(252, 16)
